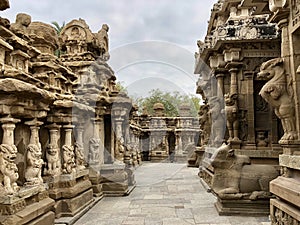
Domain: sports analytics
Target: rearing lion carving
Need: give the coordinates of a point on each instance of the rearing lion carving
(278, 93)
(8, 168)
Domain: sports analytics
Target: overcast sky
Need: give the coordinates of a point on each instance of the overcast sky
(168, 29)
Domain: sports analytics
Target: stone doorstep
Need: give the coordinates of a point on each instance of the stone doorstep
(239, 207)
(72, 206)
(33, 212)
(285, 207)
(287, 189)
(73, 219)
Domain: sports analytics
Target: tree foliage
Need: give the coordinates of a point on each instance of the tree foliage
(57, 27)
(171, 101)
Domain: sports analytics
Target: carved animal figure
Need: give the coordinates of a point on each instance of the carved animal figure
(231, 110)
(8, 169)
(68, 159)
(34, 165)
(278, 93)
(234, 176)
(53, 161)
(79, 157)
(94, 151)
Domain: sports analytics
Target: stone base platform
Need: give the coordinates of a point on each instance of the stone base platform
(114, 180)
(243, 207)
(287, 206)
(32, 206)
(95, 178)
(71, 192)
(158, 156)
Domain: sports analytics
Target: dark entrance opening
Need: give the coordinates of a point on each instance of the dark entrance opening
(107, 139)
(172, 144)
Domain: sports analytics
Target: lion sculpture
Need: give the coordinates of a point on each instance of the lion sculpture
(279, 94)
(33, 173)
(8, 169)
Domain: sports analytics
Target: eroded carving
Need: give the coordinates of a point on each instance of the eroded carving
(53, 161)
(231, 110)
(79, 156)
(8, 169)
(279, 94)
(33, 174)
(94, 151)
(68, 159)
(20, 26)
(235, 178)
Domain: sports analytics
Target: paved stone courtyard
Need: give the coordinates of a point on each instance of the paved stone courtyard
(166, 194)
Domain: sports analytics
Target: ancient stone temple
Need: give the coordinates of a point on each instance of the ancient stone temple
(65, 134)
(167, 139)
(240, 38)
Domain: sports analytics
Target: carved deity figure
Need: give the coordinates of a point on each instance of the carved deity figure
(33, 173)
(120, 151)
(20, 26)
(231, 110)
(69, 165)
(79, 157)
(205, 123)
(235, 178)
(8, 169)
(94, 151)
(279, 94)
(217, 120)
(53, 161)
(261, 139)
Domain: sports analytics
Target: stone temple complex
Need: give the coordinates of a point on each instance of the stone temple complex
(251, 92)
(69, 136)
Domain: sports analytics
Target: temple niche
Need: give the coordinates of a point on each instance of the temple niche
(238, 99)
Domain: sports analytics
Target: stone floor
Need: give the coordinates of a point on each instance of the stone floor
(166, 194)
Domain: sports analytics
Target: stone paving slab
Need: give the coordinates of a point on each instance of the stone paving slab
(166, 194)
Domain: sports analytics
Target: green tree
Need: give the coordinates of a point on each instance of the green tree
(58, 29)
(171, 102)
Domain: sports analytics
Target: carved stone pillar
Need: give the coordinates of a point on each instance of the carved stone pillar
(179, 146)
(220, 80)
(53, 152)
(8, 153)
(248, 119)
(34, 162)
(94, 145)
(119, 148)
(69, 165)
(78, 148)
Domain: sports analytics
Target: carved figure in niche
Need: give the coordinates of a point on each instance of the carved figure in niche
(20, 26)
(79, 157)
(94, 151)
(217, 120)
(120, 150)
(53, 161)
(8, 169)
(279, 94)
(261, 139)
(231, 110)
(204, 122)
(33, 173)
(68, 159)
(235, 178)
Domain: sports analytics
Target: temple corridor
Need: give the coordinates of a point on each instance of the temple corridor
(165, 194)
